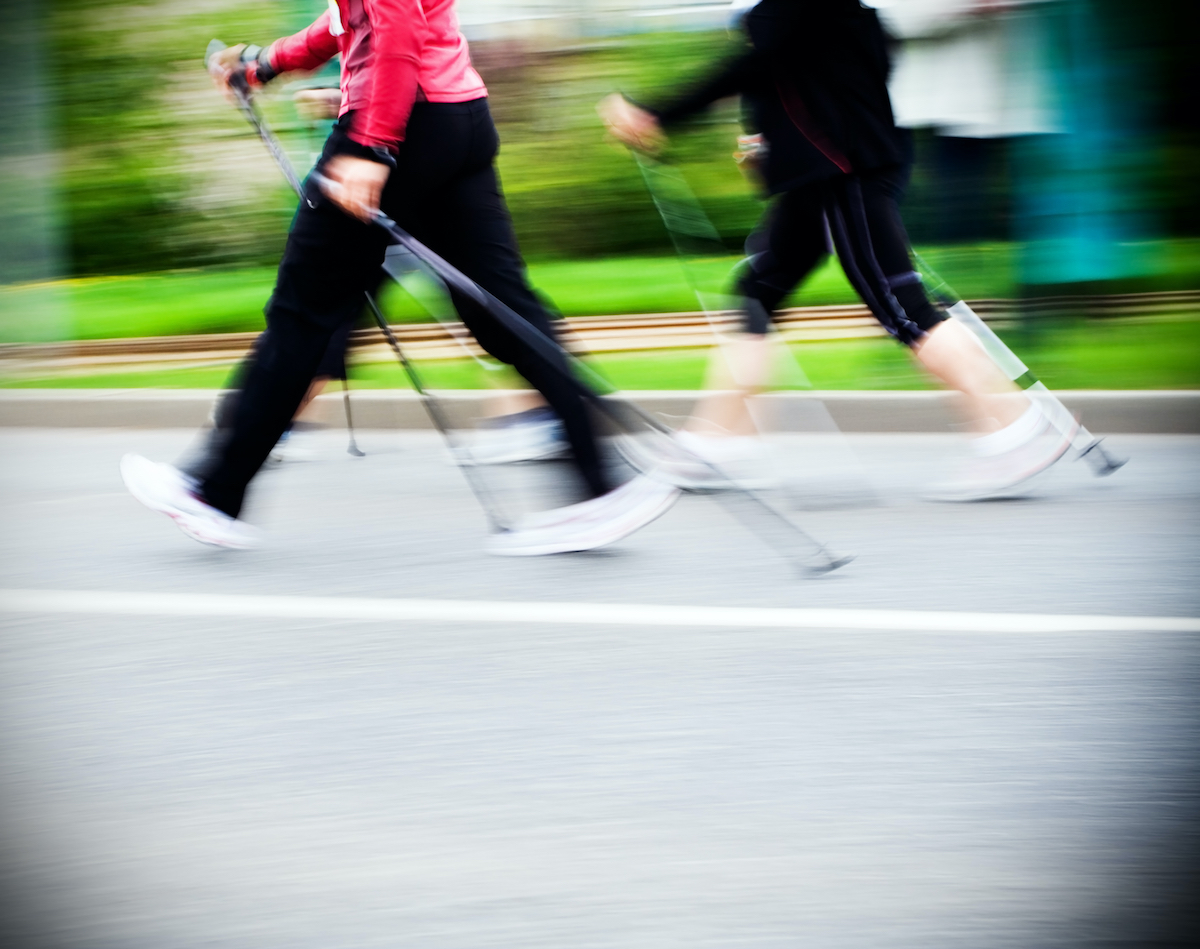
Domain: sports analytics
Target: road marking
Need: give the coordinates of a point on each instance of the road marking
(593, 614)
(81, 497)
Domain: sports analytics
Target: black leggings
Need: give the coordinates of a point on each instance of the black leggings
(444, 192)
(861, 215)
(207, 457)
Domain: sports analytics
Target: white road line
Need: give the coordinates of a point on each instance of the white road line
(601, 614)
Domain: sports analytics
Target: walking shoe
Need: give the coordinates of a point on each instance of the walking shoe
(698, 462)
(278, 453)
(589, 524)
(169, 491)
(533, 435)
(994, 476)
(287, 449)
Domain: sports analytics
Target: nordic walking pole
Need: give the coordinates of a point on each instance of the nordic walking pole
(693, 235)
(352, 448)
(1085, 444)
(687, 225)
(434, 407)
(755, 510)
(496, 521)
(549, 350)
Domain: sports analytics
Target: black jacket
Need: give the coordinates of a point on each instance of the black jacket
(814, 83)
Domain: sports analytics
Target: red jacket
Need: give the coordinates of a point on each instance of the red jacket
(394, 52)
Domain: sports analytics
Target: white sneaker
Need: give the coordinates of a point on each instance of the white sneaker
(287, 449)
(532, 435)
(588, 525)
(995, 476)
(698, 462)
(169, 491)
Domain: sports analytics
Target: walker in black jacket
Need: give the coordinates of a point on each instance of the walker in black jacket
(813, 82)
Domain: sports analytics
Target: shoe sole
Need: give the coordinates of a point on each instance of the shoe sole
(711, 475)
(200, 537)
(697, 486)
(516, 458)
(182, 521)
(659, 507)
(1002, 490)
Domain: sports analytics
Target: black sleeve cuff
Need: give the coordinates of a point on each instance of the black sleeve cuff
(376, 153)
(266, 72)
(263, 72)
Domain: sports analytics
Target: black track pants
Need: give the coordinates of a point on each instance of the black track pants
(206, 459)
(861, 215)
(444, 192)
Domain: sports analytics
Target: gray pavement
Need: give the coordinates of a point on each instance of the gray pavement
(250, 782)
(1148, 411)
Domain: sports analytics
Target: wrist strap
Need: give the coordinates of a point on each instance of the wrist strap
(384, 156)
(257, 61)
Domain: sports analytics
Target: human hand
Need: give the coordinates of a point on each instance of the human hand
(238, 67)
(317, 104)
(630, 125)
(224, 64)
(359, 184)
(751, 155)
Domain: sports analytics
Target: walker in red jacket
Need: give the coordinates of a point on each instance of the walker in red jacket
(416, 140)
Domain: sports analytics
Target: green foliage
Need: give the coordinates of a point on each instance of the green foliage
(226, 301)
(573, 193)
(124, 81)
(158, 172)
(1069, 354)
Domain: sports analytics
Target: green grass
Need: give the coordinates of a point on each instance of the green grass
(167, 304)
(226, 301)
(231, 301)
(1069, 354)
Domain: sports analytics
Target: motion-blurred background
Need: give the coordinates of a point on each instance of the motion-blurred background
(1056, 147)
(198, 758)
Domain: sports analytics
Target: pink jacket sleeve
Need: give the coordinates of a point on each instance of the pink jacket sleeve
(305, 50)
(398, 34)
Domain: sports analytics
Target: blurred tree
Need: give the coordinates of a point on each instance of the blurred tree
(30, 231)
(157, 171)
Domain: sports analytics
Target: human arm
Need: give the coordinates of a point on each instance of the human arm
(642, 128)
(311, 47)
(317, 104)
(256, 66)
(398, 34)
(728, 79)
(366, 156)
(631, 125)
(357, 184)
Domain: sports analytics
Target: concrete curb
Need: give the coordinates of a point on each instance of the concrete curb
(1104, 412)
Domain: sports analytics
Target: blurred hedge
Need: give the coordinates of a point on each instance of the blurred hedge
(158, 172)
(124, 78)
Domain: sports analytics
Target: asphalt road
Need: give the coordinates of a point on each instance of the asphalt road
(186, 779)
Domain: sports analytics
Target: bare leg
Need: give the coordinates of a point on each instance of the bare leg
(314, 390)
(954, 356)
(737, 371)
(948, 351)
(511, 402)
